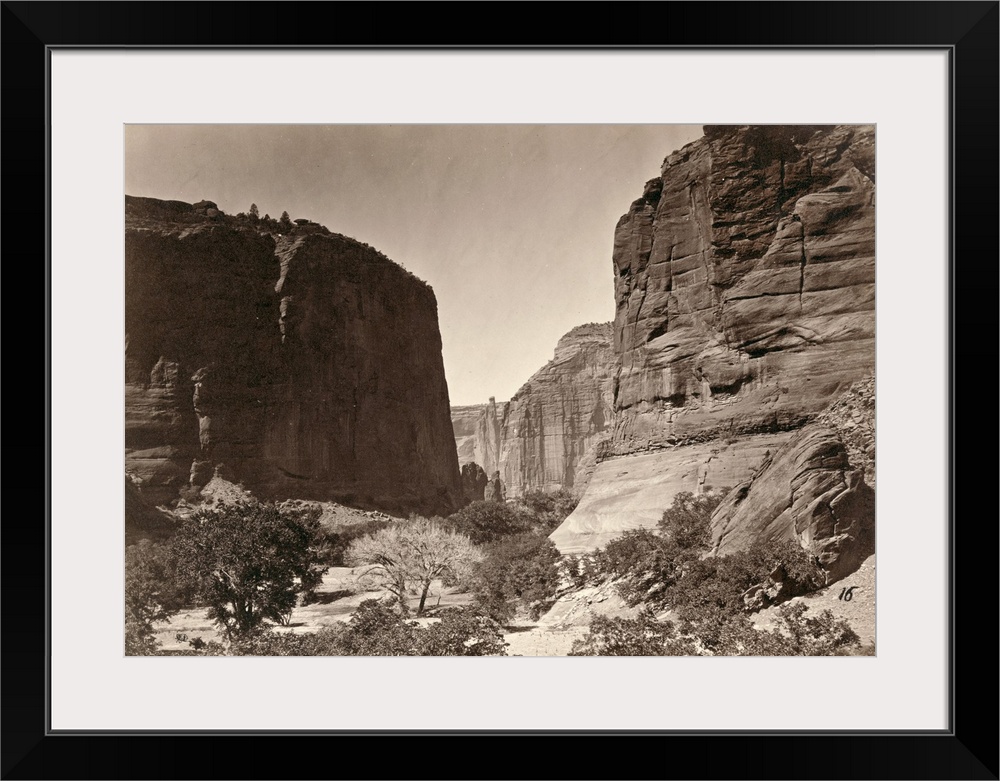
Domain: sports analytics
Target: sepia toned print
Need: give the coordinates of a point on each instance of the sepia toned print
(498, 390)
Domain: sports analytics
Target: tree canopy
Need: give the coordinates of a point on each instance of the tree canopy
(249, 561)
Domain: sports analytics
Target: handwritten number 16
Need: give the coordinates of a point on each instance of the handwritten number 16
(846, 593)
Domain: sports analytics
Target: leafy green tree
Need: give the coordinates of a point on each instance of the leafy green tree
(412, 555)
(249, 561)
(254, 213)
(284, 223)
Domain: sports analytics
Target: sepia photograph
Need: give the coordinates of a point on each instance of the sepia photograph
(499, 390)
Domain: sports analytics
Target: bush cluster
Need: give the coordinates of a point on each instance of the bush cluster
(517, 573)
(537, 512)
(375, 629)
(669, 569)
(519, 570)
(797, 634)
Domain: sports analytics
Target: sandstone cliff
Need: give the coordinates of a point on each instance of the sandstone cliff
(744, 286)
(812, 490)
(487, 438)
(463, 422)
(559, 415)
(308, 363)
(546, 437)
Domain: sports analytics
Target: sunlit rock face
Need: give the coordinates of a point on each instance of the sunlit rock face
(558, 418)
(463, 422)
(547, 437)
(308, 364)
(807, 491)
(745, 284)
(745, 305)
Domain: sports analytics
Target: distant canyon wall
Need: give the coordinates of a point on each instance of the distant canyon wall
(305, 365)
(463, 422)
(745, 306)
(546, 437)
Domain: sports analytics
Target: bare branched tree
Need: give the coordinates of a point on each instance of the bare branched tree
(411, 555)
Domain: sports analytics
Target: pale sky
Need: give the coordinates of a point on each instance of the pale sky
(512, 225)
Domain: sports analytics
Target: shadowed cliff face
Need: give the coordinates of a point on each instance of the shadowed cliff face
(546, 437)
(745, 295)
(309, 367)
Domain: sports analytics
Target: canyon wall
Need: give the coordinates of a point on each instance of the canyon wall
(463, 423)
(546, 437)
(745, 305)
(560, 415)
(817, 489)
(304, 365)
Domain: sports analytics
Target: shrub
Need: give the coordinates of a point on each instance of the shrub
(461, 633)
(717, 585)
(518, 572)
(686, 521)
(817, 635)
(734, 635)
(151, 594)
(641, 636)
(645, 564)
(548, 509)
(485, 522)
(375, 629)
(796, 635)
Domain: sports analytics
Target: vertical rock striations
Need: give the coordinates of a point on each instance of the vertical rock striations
(558, 417)
(546, 437)
(463, 422)
(745, 304)
(745, 284)
(309, 364)
(488, 436)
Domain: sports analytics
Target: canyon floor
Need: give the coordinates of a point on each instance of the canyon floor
(339, 596)
(552, 635)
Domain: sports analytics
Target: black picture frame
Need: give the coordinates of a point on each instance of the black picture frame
(967, 749)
